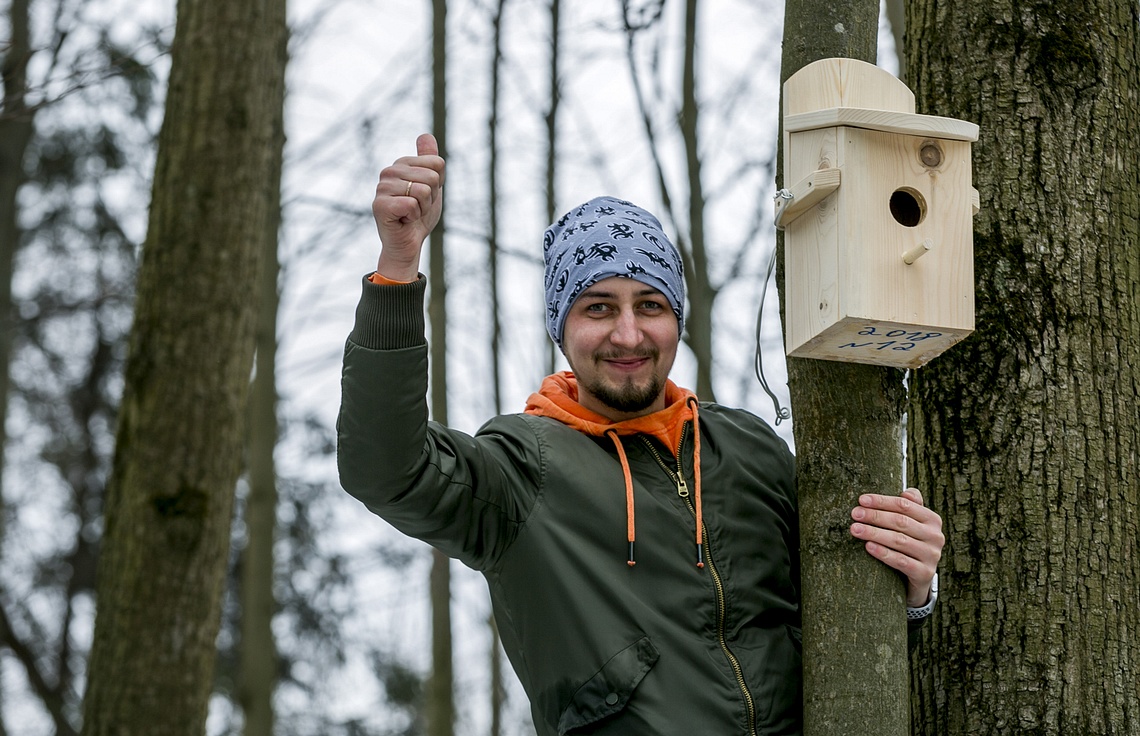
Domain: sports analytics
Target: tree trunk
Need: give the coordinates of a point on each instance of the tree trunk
(702, 294)
(181, 426)
(498, 694)
(440, 688)
(1027, 435)
(551, 147)
(848, 422)
(16, 127)
(259, 662)
(493, 202)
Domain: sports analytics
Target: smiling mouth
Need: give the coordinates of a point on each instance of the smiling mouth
(626, 363)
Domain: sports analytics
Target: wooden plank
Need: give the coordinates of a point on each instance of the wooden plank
(885, 121)
(845, 83)
(878, 342)
(806, 193)
(811, 243)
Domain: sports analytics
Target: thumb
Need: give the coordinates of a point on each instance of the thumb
(426, 145)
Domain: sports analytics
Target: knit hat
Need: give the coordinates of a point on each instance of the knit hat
(602, 238)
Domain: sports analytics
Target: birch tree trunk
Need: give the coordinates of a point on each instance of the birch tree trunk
(182, 423)
(848, 441)
(1027, 435)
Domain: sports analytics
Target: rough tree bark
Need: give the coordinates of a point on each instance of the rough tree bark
(848, 422)
(182, 423)
(1028, 433)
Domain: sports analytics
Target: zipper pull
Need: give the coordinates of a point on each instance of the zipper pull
(682, 487)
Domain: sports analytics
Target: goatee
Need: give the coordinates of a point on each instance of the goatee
(628, 397)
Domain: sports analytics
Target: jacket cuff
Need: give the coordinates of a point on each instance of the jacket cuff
(390, 317)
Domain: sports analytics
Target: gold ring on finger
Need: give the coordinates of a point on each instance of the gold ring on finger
(408, 191)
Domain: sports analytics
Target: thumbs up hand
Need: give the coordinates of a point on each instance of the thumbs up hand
(407, 207)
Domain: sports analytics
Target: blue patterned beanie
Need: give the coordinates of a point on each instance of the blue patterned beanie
(602, 238)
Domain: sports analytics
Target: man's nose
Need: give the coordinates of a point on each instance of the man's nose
(627, 331)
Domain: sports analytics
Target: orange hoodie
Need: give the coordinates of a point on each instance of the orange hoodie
(557, 398)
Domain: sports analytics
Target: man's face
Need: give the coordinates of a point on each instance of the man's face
(620, 339)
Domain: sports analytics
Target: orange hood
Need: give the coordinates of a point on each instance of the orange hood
(557, 399)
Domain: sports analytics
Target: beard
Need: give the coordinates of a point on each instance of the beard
(627, 397)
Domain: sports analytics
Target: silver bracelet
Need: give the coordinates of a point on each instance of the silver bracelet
(913, 614)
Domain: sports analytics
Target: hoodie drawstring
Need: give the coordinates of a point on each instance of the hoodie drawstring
(629, 525)
(697, 482)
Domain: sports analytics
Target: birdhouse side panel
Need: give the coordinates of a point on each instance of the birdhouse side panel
(812, 277)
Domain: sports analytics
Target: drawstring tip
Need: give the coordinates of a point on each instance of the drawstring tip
(631, 562)
(700, 555)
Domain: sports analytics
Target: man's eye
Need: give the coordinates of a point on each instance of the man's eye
(652, 305)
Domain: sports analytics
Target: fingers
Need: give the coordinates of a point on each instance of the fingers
(903, 534)
(415, 177)
(407, 207)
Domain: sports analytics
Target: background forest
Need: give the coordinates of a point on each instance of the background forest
(352, 611)
(1026, 437)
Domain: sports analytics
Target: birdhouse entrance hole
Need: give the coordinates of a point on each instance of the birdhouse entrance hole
(908, 207)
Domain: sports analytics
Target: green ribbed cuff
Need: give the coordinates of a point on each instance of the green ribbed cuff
(390, 317)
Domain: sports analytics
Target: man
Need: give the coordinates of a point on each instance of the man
(641, 547)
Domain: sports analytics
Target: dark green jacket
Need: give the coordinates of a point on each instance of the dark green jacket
(539, 508)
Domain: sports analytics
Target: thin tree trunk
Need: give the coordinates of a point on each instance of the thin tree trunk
(848, 442)
(182, 423)
(1028, 433)
(258, 670)
(551, 143)
(702, 294)
(16, 128)
(493, 202)
(496, 328)
(440, 687)
(498, 695)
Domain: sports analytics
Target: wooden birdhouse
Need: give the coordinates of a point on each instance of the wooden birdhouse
(877, 219)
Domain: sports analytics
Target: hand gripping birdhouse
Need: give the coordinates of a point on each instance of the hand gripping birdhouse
(877, 218)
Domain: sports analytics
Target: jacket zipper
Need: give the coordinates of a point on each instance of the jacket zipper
(678, 478)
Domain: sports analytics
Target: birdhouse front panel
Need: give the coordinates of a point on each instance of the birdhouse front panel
(878, 235)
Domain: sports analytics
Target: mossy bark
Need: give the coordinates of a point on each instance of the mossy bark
(182, 423)
(1027, 435)
(848, 421)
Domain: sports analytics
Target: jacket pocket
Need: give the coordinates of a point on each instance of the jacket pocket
(608, 691)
